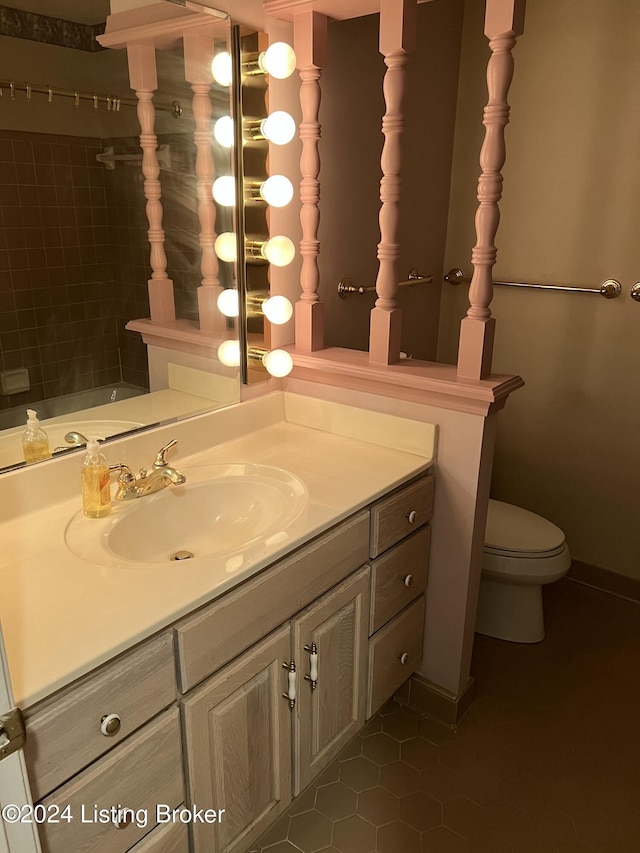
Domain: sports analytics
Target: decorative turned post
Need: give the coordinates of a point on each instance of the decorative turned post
(310, 45)
(504, 22)
(397, 39)
(198, 53)
(143, 79)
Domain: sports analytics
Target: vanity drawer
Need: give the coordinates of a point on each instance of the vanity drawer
(141, 773)
(398, 577)
(395, 652)
(224, 629)
(167, 838)
(64, 733)
(399, 515)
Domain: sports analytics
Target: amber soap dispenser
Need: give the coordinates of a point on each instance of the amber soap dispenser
(35, 442)
(96, 484)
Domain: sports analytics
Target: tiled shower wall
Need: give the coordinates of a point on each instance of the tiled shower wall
(56, 301)
(74, 258)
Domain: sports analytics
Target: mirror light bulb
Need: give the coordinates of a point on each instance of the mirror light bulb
(278, 363)
(277, 191)
(279, 251)
(224, 190)
(279, 127)
(228, 302)
(223, 131)
(277, 310)
(221, 68)
(279, 60)
(225, 247)
(229, 353)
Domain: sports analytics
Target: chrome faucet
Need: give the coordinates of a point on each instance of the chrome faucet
(132, 486)
(73, 439)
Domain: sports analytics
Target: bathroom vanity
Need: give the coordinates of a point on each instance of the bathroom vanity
(235, 704)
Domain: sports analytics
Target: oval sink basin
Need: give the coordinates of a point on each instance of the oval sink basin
(220, 510)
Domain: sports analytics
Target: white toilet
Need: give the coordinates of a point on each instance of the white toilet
(522, 551)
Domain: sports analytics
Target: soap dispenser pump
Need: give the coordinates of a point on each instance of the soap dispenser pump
(96, 485)
(35, 442)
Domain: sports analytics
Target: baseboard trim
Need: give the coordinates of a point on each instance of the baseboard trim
(435, 702)
(603, 579)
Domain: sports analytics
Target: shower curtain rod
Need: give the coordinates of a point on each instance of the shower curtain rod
(113, 102)
(609, 288)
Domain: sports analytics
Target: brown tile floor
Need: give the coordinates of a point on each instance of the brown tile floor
(548, 758)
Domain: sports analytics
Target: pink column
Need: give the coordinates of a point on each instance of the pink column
(310, 45)
(198, 52)
(504, 22)
(397, 39)
(143, 78)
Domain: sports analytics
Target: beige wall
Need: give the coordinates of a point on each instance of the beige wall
(567, 444)
(351, 115)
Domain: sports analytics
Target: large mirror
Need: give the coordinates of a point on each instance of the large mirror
(74, 244)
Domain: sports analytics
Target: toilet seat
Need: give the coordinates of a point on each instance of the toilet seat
(514, 531)
(522, 546)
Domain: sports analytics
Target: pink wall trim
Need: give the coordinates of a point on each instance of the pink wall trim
(310, 44)
(341, 10)
(181, 335)
(396, 40)
(161, 24)
(504, 22)
(410, 379)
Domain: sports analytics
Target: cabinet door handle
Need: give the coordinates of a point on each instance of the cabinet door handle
(403, 658)
(313, 664)
(407, 580)
(412, 516)
(291, 693)
(123, 821)
(110, 725)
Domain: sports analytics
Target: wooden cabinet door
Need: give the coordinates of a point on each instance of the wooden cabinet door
(328, 716)
(238, 745)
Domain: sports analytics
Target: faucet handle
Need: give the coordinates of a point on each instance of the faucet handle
(161, 456)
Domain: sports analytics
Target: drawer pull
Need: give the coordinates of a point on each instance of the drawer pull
(403, 658)
(291, 693)
(313, 662)
(412, 516)
(110, 725)
(407, 580)
(124, 822)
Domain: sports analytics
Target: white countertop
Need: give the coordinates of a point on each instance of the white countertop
(62, 616)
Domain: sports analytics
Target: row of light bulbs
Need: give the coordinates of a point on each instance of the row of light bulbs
(278, 128)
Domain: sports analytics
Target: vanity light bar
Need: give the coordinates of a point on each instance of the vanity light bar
(278, 127)
(278, 60)
(278, 362)
(277, 309)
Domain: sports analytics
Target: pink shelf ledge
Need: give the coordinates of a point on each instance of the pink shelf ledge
(181, 335)
(424, 382)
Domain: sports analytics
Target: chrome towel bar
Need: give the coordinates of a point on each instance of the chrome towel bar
(609, 288)
(346, 289)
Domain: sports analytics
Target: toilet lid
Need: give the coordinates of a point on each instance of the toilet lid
(516, 530)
